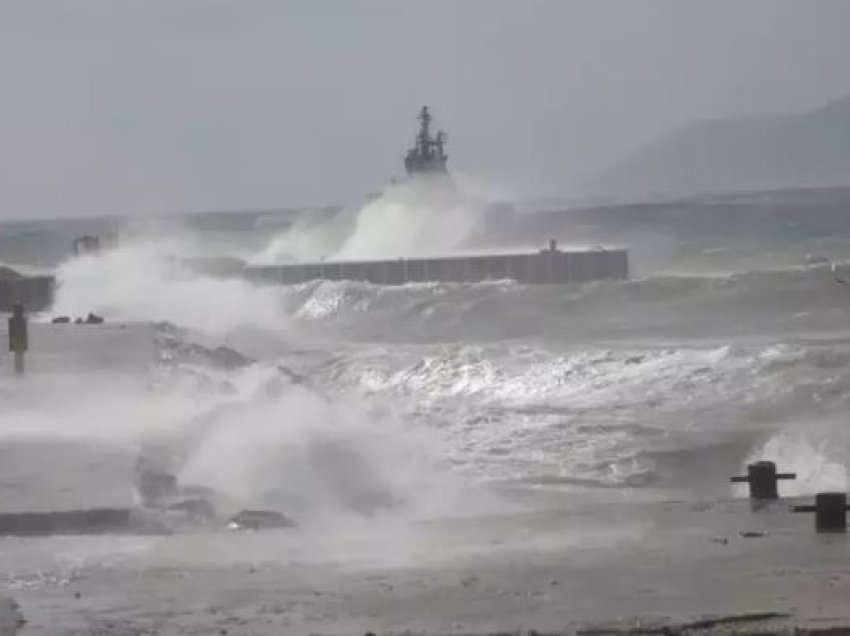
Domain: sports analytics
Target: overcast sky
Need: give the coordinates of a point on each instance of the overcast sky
(148, 106)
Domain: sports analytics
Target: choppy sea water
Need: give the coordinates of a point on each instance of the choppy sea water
(449, 399)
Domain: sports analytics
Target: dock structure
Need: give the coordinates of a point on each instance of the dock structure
(546, 267)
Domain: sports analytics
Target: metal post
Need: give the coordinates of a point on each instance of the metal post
(19, 362)
(762, 478)
(830, 511)
(18, 337)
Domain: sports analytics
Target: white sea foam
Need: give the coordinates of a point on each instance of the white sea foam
(144, 281)
(416, 218)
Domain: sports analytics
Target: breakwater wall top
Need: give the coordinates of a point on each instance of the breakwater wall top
(546, 267)
(550, 266)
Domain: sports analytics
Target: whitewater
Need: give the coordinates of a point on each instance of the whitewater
(369, 414)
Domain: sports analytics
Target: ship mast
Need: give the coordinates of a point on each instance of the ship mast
(424, 137)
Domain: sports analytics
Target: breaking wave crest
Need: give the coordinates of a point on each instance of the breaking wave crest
(425, 217)
(607, 384)
(757, 304)
(626, 416)
(143, 281)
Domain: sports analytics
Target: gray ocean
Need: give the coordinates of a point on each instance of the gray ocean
(731, 342)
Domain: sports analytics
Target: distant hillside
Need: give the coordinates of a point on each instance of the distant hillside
(748, 153)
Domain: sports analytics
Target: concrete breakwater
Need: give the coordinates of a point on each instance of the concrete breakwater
(551, 266)
(35, 292)
(545, 267)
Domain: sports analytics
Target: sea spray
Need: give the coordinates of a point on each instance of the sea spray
(628, 410)
(815, 451)
(145, 281)
(255, 436)
(421, 217)
(312, 236)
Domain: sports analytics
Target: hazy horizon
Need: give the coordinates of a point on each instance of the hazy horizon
(156, 107)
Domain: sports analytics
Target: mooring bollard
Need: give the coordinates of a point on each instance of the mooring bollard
(762, 477)
(830, 511)
(18, 336)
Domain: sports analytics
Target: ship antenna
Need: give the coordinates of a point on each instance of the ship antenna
(425, 118)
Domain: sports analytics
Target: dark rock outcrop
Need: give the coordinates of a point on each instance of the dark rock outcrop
(197, 509)
(260, 520)
(155, 487)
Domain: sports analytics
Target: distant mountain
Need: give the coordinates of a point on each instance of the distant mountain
(758, 152)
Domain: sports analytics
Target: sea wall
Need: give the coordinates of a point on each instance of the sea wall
(551, 266)
(545, 267)
(35, 292)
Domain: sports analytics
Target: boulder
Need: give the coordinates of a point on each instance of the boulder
(155, 487)
(196, 508)
(260, 520)
(814, 259)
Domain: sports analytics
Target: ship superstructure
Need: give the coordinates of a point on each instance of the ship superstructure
(428, 155)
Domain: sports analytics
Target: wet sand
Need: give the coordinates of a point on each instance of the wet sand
(563, 562)
(604, 566)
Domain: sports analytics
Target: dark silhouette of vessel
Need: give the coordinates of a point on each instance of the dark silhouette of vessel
(426, 159)
(428, 154)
